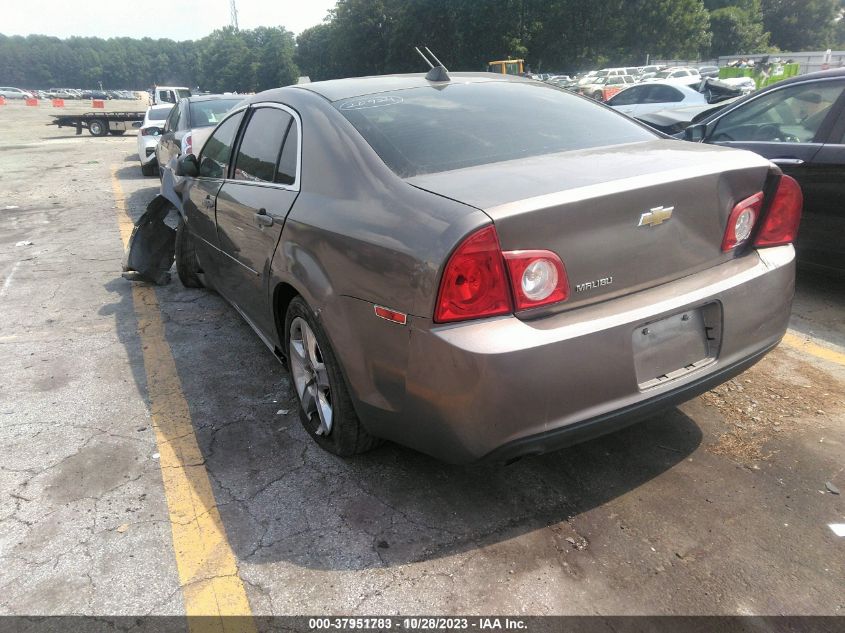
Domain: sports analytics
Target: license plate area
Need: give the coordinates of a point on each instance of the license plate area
(672, 347)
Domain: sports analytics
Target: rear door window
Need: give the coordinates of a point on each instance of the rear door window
(217, 151)
(261, 145)
(286, 173)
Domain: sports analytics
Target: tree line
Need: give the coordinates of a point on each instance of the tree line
(360, 37)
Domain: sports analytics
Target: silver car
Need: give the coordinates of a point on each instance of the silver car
(187, 116)
(14, 93)
(480, 265)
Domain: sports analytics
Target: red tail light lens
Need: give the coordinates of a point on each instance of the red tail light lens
(150, 131)
(741, 221)
(780, 226)
(474, 283)
(538, 278)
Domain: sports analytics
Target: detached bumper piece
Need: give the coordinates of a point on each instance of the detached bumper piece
(152, 245)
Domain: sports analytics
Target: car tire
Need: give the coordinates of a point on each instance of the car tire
(325, 407)
(187, 264)
(117, 132)
(98, 127)
(149, 169)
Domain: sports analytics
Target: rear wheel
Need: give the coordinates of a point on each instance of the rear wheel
(187, 264)
(325, 409)
(149, 169)
(98, 127)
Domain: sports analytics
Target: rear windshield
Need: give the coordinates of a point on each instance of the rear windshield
(205, 113)
(428, 130)
(159, 113)
(182, 93)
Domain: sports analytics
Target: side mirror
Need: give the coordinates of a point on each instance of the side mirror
(695, 133)
(187, 165)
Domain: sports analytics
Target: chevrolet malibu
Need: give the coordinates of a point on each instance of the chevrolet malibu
(481, 266)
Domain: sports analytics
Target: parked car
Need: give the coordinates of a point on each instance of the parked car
(798, 124)
(675, 120)
(15, 93)
(603, 88)
(437, 276)
(148, 137)
(683, 75)
(190, 114)
(61, 93)
(651, 97)
(95, 94)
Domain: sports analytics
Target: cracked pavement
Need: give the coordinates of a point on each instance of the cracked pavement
(665, 517)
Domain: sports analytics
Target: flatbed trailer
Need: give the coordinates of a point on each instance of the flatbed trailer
(101, 123)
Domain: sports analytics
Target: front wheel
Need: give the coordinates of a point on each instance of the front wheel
(325, 409)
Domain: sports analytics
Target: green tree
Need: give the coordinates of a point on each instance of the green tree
(800, 25)
(736, 30)
(225, 62)
(272, 53)
(664, 28)
(313, 56)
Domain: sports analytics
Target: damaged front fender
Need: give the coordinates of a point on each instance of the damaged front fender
(152, 245)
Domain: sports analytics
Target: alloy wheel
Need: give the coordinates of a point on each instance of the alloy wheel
(310, 376)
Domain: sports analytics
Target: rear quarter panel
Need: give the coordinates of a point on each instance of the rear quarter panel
(360, 236)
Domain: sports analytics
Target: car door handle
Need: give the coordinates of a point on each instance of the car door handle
(262, 219)
(208, 202)
(787, 161)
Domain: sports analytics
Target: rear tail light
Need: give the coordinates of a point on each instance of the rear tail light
(741, 221)
(780, 225)
(475, 280)
(150, 131)
(474, 284)
(538, 278)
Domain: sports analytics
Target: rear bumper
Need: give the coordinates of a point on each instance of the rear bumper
(502, 387)
(615, 420)
(146, 149)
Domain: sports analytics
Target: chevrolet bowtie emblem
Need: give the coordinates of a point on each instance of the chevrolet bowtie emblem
(655, 216)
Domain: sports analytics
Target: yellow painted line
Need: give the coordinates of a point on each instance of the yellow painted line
(804, 345)
(207, 566)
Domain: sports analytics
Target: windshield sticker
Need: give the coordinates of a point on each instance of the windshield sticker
(370, 102)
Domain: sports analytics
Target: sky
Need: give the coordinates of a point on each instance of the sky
(173, 19)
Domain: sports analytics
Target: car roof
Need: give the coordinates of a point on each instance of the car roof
(339, 89)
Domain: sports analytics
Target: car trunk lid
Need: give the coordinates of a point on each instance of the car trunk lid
(622, 218)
